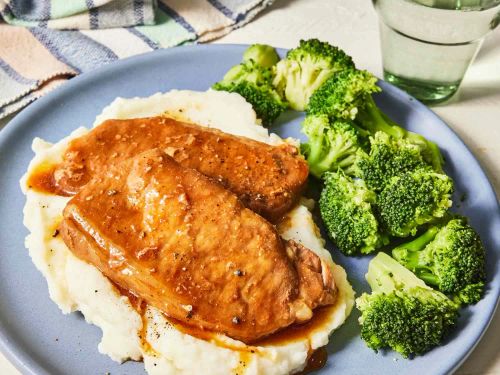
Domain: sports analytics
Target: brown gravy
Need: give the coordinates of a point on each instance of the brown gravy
(140, 306)
(209, 336)
(298, 331)
(316, 361)
(242, 364)
(43, 180)
(291, 333)
(137, 302)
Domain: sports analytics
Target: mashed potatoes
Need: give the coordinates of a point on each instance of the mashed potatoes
(165, 347)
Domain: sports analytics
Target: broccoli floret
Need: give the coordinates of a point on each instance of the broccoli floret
(344, 95)
(330, 146)
(413, 199)
(261, 54)
(254, 83)
(388, 157)
(266, 103)
(450, 257)
(346, 209)
(306, 67)
(402, 312)
(248, 71)
(348, 95)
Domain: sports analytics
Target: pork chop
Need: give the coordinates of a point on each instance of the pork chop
(189, 247)
(267, 179)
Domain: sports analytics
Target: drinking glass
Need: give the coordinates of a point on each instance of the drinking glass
(427, 45)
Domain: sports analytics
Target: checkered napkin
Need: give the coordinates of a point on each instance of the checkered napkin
(45, 42)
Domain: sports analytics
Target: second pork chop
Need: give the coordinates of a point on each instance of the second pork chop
(267, 179)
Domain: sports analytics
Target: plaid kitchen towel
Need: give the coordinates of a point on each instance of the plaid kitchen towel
(45, 42)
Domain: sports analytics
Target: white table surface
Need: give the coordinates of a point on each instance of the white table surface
(474, 114)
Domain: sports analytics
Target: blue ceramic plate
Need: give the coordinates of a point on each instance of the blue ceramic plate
(40, 340)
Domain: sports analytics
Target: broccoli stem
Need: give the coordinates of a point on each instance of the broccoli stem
(430, 151)
(334, 154)
(318, 169)
(362, 132)
(436, 159)
(428, 277)
(347, 162)
(417, 244)
(410, 255)
(315, 155)
(379, 275)
(315, 149)
(373, 119)
(385, 274)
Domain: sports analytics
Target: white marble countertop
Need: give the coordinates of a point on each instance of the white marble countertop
(474, 114)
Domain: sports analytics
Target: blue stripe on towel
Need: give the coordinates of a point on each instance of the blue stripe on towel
(93, 14)
(30, 10)
(139, 11)
(144, 38)
(222, 8)
(46, 13)
(176, 17)
(74, 49)
(15, 75)
(239, 8)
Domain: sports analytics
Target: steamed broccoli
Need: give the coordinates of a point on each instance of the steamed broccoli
(344, 95)
(348, 95)
(254, 83)
(346, 209)
(306, 67)
(388, 157)
(330, 146)
(412, 199)
(402, 312)
(450, 257)
(261, 54)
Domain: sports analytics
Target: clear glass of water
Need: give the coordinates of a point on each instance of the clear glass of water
(427, 45)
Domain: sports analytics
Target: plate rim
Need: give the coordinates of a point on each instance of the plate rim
(26, 364)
